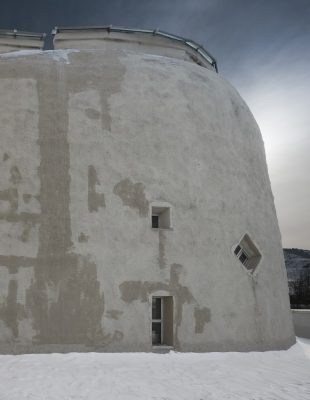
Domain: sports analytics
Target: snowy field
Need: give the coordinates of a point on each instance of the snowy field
(275, 375)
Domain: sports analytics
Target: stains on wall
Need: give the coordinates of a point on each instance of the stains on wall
(13, 263)
(64, 300)
(22, 217)
(113, 314)
(95, 200)
(9, 202)
(8, 310)
(10, 199)
(71, 310)
(93, 79)
(132, 195)
(162, 262)
(27, 226)
(13, 313)
(83, 238)
(138, 290)
(92, 114)
(15, 175)
(202, 316)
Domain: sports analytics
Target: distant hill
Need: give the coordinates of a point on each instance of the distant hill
(297, 262)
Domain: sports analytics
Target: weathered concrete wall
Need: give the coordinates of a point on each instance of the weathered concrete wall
(89, 140)
(301, 321)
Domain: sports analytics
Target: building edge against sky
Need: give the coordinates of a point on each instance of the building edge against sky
(136, 208)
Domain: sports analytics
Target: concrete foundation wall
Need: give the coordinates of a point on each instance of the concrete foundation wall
(301, 321)
(89, 140)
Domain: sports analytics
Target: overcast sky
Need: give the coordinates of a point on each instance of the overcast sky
(262, 48)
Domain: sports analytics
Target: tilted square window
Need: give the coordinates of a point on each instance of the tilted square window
(247, 253)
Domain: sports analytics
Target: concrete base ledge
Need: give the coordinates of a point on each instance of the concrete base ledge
(301, 321)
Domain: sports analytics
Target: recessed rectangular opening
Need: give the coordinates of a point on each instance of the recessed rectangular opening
(247, 253)
(162, 321)
(161, 217)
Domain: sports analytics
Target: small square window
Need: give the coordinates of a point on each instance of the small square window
(161, 217)
(247, 253)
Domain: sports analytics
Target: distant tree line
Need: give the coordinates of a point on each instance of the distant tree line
(298, 252)
(300, 290)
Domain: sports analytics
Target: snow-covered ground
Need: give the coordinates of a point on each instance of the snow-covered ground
(273, 375)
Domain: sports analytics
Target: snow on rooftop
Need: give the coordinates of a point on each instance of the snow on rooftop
(270, 375)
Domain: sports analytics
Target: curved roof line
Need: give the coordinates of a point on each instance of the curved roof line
(187, 42)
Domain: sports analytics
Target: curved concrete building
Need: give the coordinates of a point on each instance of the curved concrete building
(136, 212)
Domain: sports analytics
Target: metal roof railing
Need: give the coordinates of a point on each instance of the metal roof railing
(15, 33)
(187, 42)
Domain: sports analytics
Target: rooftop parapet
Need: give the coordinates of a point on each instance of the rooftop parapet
(145, 41)
(13, 40)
